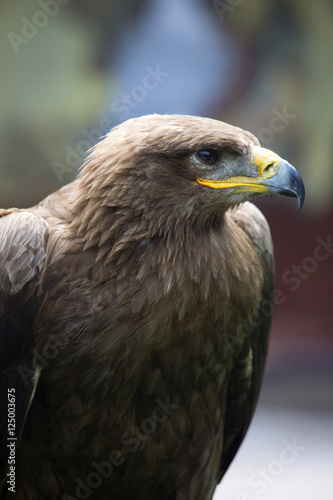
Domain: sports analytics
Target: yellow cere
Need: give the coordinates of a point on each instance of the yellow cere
(264, 158)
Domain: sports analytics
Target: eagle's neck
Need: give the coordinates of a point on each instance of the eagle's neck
(159, 250)
(163, 257)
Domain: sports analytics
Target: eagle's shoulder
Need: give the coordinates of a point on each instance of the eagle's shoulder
(255, 226)
(23, 241)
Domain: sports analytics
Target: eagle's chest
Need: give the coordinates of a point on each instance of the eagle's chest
(167, 320)
(170, 331)
(146, 386)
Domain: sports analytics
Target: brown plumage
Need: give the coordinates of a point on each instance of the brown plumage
(135, 311)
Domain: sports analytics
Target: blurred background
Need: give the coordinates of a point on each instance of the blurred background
(70, 70)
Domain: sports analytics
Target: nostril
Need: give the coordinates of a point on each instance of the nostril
(270, 169)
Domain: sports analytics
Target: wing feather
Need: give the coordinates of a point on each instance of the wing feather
(23, 245)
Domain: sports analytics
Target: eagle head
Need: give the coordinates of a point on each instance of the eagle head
(172, 168)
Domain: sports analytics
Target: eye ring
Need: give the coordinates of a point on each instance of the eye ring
(208, 156)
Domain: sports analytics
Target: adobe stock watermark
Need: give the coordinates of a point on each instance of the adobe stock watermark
(292, 277)
(120, 106)
(222, 8)
(260, 480)
(277, 123)
(56, 343)
(130, 439)
(50, 351)
(30, 27)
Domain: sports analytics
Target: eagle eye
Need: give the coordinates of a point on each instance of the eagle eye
(208, 156)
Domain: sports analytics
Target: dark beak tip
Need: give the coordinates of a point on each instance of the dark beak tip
(296, 185)
(300, 200)
(300, 194)
(288, 182)
(299, 208)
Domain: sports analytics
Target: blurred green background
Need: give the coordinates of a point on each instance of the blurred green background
(71, 69)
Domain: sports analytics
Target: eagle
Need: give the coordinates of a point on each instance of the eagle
(135, 308)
